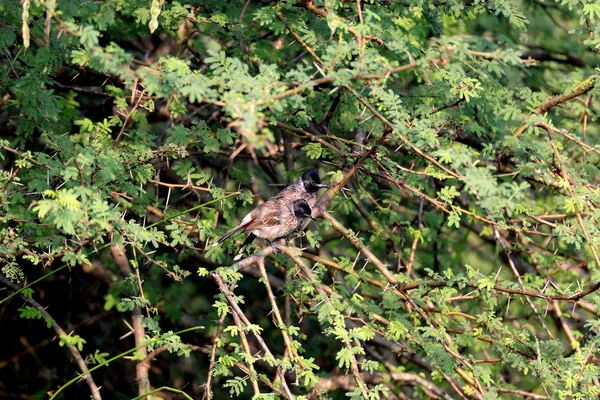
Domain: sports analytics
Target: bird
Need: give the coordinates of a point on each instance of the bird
(271, 221)
(282, 212)
(305, 187)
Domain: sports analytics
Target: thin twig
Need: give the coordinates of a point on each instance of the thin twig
(281, 325)
(320, 289)
(237, 311)
(25, 156)
(60, 332)
(246, 346)
(208, 386)
(580, 89)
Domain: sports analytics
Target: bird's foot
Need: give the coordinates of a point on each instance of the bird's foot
(275, 251)
(294, 235)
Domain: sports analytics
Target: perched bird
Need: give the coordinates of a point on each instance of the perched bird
(271, 221)
(305, 187)
(283, 213)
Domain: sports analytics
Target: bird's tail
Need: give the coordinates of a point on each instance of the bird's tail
(248, 240)
(228, 234)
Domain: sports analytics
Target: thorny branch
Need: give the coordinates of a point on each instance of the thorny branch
(400, 289)
(318, 286)
(584, 87)
(208, 394)
(238, 314)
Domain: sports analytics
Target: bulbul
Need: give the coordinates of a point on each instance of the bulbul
(305, 187)
(277, 214)
(271, 221)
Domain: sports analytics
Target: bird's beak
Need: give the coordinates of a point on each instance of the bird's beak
(322, 185)
(312, 217)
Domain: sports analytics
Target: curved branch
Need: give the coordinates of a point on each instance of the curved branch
(321, 206)
(343, 382)
(582, 88)
(381, 267)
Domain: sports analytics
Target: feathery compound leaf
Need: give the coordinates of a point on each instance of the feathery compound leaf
(460, 229)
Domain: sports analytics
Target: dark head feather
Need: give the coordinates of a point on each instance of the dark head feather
(301, 209)
(312, 181)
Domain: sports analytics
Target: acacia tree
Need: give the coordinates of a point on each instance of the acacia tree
(456, 253)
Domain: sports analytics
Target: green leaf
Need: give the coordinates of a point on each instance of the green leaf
(313, 150)
(454, 218)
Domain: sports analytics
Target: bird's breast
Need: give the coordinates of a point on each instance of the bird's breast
(268, 232)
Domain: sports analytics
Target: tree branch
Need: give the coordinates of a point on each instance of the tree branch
(139, 333)
(319, 287)
(238, 313)
(60, 332)
(582, 88)
(336, 187)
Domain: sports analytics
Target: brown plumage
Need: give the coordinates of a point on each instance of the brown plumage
(283, 213)
(305, 187)
(271, 221)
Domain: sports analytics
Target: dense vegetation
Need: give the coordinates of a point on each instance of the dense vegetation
(455, 254)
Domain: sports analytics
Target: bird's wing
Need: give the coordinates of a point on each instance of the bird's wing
(267, 216)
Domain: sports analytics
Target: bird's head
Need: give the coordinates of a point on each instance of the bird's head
(311, 181)
(302, 210)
